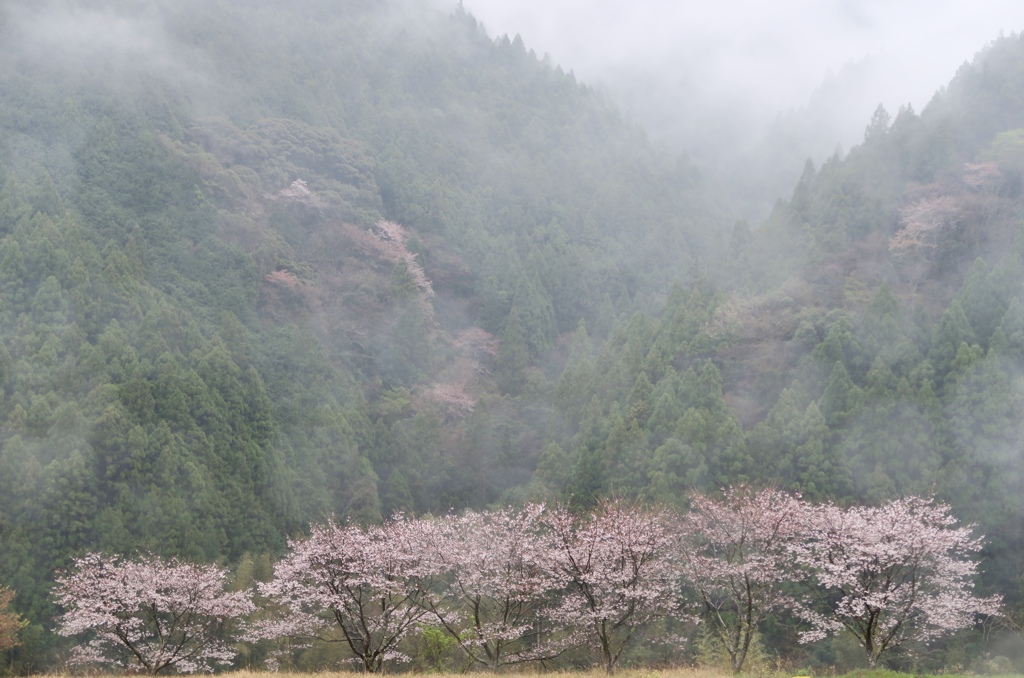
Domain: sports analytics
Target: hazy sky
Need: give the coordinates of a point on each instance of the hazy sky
(768, 55)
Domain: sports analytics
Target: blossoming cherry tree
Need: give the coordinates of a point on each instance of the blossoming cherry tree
(900, 572)
(150, 614)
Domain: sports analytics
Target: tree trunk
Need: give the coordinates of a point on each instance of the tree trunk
(872, 651)
(737, 662)
(605, 640)
(740, 656)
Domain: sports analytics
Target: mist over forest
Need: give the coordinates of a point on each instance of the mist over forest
(750, 90)
(268, 264)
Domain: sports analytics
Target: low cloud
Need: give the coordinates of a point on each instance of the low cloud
(95, 41)
(60, 30)
(762, 58)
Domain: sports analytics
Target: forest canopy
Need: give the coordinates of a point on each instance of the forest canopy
(266, 264)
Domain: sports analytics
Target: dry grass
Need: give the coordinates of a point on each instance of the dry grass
(537, 673)
(597, 673)
(522, 673)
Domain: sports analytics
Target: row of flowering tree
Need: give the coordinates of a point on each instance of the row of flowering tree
(148, 614)
(513, 586)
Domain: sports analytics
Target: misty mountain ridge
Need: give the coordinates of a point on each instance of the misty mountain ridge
(264, 264)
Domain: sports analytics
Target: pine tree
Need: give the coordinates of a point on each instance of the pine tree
(882, 333)
(536, 316)
(575, 385)
(839, 345)
(841, 399)
(953, 330)
(1011, 331)
(983, 303)
(513, 355)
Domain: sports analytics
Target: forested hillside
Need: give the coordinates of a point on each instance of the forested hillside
(862, 344)
(267, 263)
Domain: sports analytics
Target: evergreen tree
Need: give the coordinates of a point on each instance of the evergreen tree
(513, 356)
(983, 303)
(953, 330)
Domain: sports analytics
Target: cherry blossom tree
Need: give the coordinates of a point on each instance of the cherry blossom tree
(503, 587)
(360, 586)
(10, 622)
(890, 574)
(392, 240)
(149, 614)
(619, 570)
(736, 556)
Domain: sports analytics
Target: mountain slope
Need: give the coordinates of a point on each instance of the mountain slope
(266, 263)
(861, 344)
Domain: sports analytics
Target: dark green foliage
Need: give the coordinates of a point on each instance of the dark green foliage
(513, 356)
(207, 341)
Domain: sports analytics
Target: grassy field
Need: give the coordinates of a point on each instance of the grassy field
(625, 673)
(525, 673)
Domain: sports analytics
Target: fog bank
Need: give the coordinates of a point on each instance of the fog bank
(712, 79)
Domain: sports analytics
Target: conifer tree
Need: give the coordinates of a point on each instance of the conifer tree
(513, 355)
(953, 330)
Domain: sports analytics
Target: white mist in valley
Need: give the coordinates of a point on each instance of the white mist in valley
(724, 81)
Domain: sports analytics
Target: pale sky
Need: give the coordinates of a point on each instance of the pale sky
(763, 55)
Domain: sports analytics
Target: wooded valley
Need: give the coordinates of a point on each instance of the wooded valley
(268, 265)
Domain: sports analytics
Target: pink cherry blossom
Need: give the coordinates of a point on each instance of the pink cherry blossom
(149, 614)
(620, 572)
(360, 586)
(502, 587)
(736, 557)
(900, 572)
